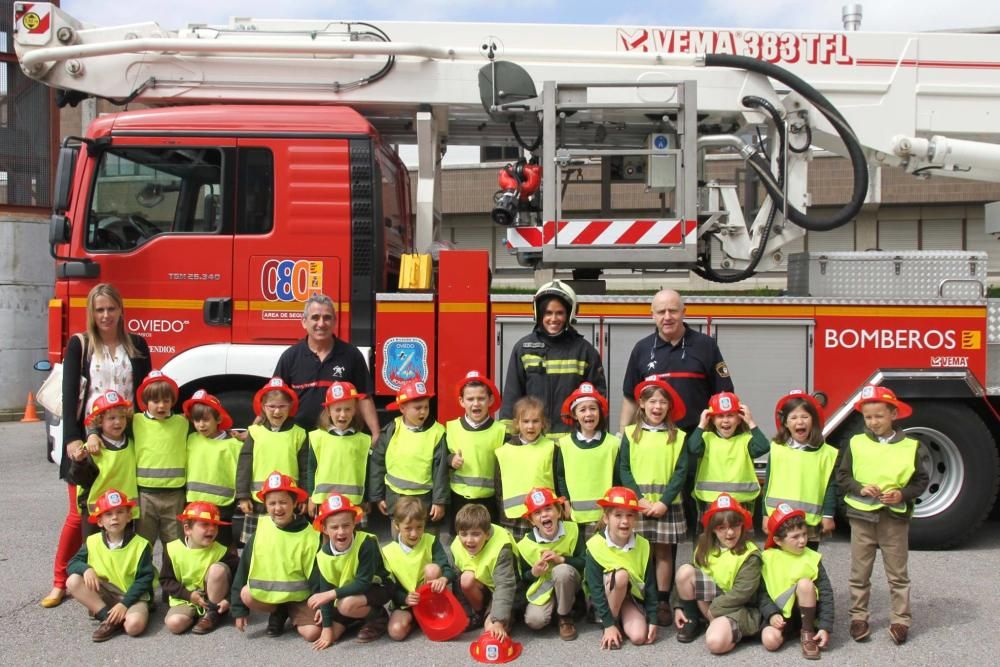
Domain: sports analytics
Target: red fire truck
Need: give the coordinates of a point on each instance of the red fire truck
(266, 172)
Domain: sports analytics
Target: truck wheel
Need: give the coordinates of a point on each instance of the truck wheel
(963, 475)
(239, 405)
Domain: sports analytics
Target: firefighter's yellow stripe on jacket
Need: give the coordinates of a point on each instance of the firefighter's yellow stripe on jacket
(554, 366)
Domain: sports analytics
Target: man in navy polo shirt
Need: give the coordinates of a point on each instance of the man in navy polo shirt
(320, 359)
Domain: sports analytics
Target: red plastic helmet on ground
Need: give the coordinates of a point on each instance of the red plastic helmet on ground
(439, 615)
(492, 651)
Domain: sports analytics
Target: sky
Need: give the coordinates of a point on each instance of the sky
(880, 15)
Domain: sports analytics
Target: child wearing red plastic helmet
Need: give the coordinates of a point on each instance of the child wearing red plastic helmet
(112, 574)
(275, 567)
(197, 571)
(410, 457)
(585, 458)
(794, 580)
(881, 473)
(414, 558)
(653, 462)
(800, 467)
(350, 577)
(212, 458)
(338, 449)
(275, 442)
(619, 573)
(552, 557)
(525, 461)
(727, 440)
(720, 585)
(112, 464)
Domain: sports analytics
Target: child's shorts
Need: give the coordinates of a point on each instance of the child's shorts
(112, 595)
(705, 588)
(376, 596)
(668, 529)
(186, 610)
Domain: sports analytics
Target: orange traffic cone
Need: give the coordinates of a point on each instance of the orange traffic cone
(30, 413)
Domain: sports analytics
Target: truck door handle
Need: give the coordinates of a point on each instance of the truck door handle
(218, 311)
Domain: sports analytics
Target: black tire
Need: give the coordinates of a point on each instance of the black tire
(239, 405)
(964, 476)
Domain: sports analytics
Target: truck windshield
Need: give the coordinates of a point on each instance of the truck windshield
(140, 193)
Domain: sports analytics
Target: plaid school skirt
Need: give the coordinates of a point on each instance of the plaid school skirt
(668, 529)
(705, 588)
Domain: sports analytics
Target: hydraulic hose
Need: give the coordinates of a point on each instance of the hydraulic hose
(759, 164)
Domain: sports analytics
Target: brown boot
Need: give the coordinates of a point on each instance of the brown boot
(374, 627)
(664, 614)
(567, 628)
(859, 630)
(899, 633)
(210, 621)
(106, 631)
(810, 649)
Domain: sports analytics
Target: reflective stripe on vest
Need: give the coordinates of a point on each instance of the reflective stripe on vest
(589, 473)
(633, 561)
(652, 461)
(275, 450)
(115, 470)
(409, 459)
(341, 464)
(522, 468)
(211, 469)
(160, 451)
(407, 568)
(723, 566)
(782, 571)
(555, 366)
(888, 466)
(475, 478)
(726, 467)
(117, 566)
(484, 562)
(531, 552)
(281, 563)
(191, 566)
(800, 479)
(341, 569)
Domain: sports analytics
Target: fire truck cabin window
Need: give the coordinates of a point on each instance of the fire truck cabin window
(140, 193)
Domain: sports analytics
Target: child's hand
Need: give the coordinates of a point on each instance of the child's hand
(246, 506)
(223, 606)
(116, 615)
(777, 621)
(828, 525)
(893, 497)
(657, 510)
(550, 556)
(679, 618)
(412, 599)
(644, 506)
(438, 585)
(651, 633)
(823, 638)
(871, 490)
(567, 510)
(76, 450)
(612, 638)
(457, 461)
(240, 434)
(91, 581)
(93, 444)
(437, 512)
(383, 508)
(747, 417)
(317, 600)
(704, 420)
(496, 628)
(241, 623)
(764, 527)
(325, 639)
(198, 599)
(540, 568)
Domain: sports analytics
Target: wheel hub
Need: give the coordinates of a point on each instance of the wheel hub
(947, 472)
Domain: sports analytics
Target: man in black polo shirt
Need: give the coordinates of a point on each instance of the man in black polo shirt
(320, 359)
(689, 360)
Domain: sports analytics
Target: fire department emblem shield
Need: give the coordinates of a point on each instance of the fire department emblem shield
(403, 360)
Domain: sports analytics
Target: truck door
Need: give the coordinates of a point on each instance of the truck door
(159, 225)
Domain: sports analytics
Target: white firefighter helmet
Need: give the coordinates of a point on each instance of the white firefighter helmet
(561, 291)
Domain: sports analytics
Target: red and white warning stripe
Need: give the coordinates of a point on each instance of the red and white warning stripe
(604, 233)
(32, 22)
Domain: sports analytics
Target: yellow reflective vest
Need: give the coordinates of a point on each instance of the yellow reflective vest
(191, 565)
(652, 461)
(475, 478)
(724, 564)
(888, 466)
(800, 479)
(522, 468)
(531, 552)
(115, 470)
(275, 450)
(118, 566)
(340, 570)
(726, 467)
(633, 561)
(409, 459)
(781, 572)
(407, 568)
(341, 464)
(211, 469)
(484, 562)
(160, 451)
(589, 473)
(281, 563)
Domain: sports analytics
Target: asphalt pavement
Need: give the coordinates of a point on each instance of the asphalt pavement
(952, 596)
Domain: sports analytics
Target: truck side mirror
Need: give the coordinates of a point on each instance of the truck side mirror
(64, 178)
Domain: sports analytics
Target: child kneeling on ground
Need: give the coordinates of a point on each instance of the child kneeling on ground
(485, 554)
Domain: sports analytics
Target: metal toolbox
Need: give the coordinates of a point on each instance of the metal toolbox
(888, 275)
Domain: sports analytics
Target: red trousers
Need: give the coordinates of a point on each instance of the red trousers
(70, 540)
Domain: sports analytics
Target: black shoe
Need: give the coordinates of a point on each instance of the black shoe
(689, 632)
(476, 621)
(276, 622)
